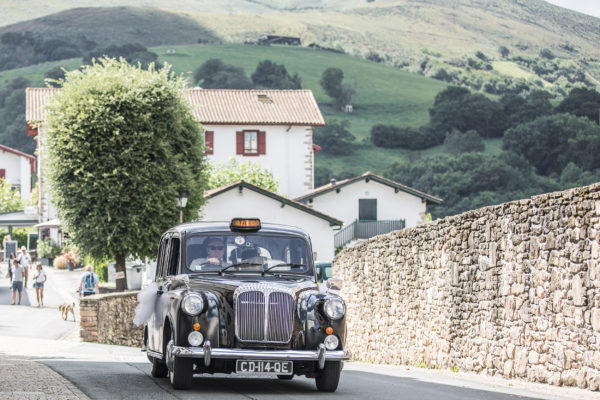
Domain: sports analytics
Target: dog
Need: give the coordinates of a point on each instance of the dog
(65, 309)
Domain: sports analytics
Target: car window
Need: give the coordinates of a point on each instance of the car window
(160, 259)
(212, 252)
(173, 257)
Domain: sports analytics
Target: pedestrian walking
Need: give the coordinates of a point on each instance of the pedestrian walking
(17, 282)
(10, 265)
(25, 261)
(38, 283)
(89, 282)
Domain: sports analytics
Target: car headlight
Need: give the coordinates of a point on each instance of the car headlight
(334, 308)
(195, 338)
(192, 304)
(331, 342)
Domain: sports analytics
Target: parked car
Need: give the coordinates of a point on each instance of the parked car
(242, 297)
(323, 270)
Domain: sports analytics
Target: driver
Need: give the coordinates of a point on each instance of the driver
(215, 250)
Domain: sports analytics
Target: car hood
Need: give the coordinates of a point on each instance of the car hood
(226, 285)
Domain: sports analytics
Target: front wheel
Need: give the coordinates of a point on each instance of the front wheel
(328, 378)
(159, 368)
(181, 370)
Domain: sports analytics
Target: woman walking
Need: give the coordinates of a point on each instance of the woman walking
(38, 283)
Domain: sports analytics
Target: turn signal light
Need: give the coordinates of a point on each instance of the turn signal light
(196, 326)
(329, 330)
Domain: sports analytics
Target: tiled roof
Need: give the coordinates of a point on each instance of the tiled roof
(222, 106)
(368, 176)
(242, 184)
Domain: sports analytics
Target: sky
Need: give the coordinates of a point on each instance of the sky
(591, 7)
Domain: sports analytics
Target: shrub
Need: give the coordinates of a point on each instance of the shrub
(60, 262)
(47, 248)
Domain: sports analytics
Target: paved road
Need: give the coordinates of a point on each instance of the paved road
(28, 320)
(118, 372)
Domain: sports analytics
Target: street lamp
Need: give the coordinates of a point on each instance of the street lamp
(181, 202)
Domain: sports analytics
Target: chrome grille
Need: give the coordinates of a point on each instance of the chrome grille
(250, 316)
(264, 313)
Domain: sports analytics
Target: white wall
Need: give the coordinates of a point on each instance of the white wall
(18, 172)
(289, 154)
(390, 205)
(251, 204)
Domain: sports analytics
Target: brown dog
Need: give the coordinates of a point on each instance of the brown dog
(65, 309)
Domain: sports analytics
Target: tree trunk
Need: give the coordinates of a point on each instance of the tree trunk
(120, 267)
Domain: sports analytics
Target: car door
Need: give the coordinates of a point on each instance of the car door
(155, 327)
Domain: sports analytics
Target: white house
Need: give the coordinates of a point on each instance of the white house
(17, 168)
(369, 205)
(270, 127)
(243, 199)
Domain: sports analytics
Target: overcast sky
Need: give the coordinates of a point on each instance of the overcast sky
(591, 7)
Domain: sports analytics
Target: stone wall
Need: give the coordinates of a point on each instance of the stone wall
(510, 290)
(108, 318)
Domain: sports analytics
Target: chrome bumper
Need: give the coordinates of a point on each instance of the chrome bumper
(207, 353)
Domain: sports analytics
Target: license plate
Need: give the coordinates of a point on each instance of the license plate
(264, 367)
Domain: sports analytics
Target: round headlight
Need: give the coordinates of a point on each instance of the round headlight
(195, 338)
(331, 342)
(192, 304)
(334, 308)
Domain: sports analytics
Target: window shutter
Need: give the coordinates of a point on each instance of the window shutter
(209, 137)
(262, 143)
(239, 139)
(2, 173)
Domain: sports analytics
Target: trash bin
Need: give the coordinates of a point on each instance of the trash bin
(134, 274)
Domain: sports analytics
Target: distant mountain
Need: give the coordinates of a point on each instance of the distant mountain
(118, 25)
(496, 46)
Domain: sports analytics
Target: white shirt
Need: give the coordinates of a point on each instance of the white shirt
(25, 260)
(40, 277)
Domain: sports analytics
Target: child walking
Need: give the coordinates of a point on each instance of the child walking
(38, 283)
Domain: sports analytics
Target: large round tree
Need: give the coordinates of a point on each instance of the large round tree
(122, 145)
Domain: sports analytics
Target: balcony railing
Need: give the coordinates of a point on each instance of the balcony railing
(366, 229)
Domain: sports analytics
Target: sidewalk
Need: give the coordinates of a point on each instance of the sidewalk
(23, 379)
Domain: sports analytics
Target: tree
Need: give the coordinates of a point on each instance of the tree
(10, 198)
(331, 82)
(335, 138)
(132, 52)
(270, 75)
(123, 144)
(582, 102)
(503, 50)
(226, 173)
(549, 143)
(457, 142)
(214, 74)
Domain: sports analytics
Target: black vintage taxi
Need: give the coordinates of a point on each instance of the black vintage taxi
(242, 297)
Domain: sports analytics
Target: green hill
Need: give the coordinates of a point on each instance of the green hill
(118, 25)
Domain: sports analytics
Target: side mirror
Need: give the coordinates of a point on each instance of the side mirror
(334, 284)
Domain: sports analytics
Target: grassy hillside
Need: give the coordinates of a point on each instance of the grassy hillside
(384, 94)
(118, 25)
(422, 36)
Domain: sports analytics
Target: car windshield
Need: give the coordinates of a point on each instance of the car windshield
(252, 253)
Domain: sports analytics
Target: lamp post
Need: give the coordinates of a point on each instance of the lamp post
(181, 202)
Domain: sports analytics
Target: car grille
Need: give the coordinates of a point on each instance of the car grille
(264, 314)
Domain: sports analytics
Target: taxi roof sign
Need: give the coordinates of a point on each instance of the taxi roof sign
(245, 224)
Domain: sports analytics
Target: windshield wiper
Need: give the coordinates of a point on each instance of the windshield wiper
(238, 265)
(293, 265)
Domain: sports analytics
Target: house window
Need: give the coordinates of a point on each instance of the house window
(367, 209)
(209, 142)
(251, 143)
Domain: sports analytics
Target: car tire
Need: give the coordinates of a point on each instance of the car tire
(159, 368)
(327, 379)
(181, 370)
(285, 377)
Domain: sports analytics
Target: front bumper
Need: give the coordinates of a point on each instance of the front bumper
(207, 353)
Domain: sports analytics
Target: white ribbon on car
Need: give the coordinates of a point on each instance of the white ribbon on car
(149, 302)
